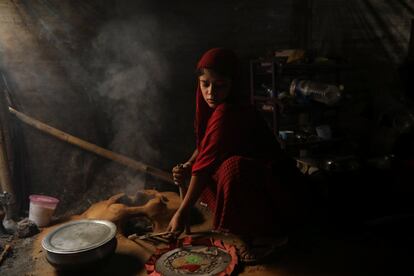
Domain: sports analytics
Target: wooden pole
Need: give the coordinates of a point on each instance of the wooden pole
(5, 178)
(182, 190)
(135, 165)
(410, 50)
(187, 227)
(6, 250)
(6, 184)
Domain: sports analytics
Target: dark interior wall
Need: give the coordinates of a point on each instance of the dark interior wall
(120, 74)
(372, 36)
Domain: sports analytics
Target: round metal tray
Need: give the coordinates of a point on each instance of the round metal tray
(211, 259)
(79, 236)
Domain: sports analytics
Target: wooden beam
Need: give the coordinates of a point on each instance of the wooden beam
(121, 159)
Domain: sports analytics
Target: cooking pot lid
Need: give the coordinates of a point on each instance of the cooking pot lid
(79, 236)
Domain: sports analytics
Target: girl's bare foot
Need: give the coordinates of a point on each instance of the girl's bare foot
(254, 250)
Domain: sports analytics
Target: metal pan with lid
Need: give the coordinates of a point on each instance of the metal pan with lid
(80, 243)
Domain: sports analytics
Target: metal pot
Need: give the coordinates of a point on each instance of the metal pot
(79, 244)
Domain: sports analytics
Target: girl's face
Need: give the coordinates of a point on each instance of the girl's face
(214, 87)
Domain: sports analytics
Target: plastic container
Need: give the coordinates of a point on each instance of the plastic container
(42, 209)
(317, 91)
(286, 134)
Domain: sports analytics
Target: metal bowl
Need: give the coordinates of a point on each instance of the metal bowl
(80, 243)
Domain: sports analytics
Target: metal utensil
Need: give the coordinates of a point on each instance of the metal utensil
(80, 243)
(182, 192)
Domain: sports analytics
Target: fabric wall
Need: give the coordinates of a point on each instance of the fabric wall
(120, 74)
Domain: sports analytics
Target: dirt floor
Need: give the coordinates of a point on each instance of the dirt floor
(18, 261)
(381, 248)
(313, 255)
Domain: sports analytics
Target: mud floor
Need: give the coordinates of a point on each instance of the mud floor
(382, 248)
(19, 259)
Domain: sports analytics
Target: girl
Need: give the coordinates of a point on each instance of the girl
(238, 168)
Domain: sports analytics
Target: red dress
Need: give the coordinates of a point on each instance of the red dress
(254, 188)
(252, 180)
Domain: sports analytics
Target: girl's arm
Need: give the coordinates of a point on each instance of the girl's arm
(192, 158)
(180, 218)
(197, 184)
(183, 171)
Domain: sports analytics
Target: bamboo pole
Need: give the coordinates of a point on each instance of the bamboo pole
(133, 164)
(5, 103)
(6, 184)
(5, 178)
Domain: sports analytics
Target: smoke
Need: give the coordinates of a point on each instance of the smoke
(103, 80)
(132, 73)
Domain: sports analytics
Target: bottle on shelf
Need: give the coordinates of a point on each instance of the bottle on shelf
(269, 91)
(321, 92)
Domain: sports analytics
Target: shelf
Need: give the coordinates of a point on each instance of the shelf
(277, 76)
(295, 107)
(310, 107)
(311, 143)
(316, 67)
(299, 66)
(263, 98)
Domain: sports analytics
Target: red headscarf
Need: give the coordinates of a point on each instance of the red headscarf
(224, 62)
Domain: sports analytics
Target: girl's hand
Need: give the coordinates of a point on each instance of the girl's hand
(181, 172)
(178, 222)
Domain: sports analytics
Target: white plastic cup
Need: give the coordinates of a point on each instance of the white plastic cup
(42, 209)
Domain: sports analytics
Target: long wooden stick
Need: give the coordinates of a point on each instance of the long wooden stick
(5, 178)
(6, 183)
(182, 190)
(3, 254)
(138, 166)
(150, 235)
